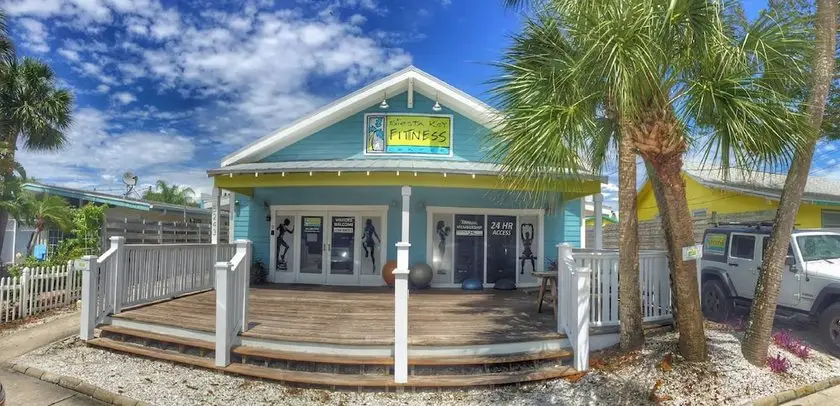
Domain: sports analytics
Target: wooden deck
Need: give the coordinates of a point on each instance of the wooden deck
(364, 316)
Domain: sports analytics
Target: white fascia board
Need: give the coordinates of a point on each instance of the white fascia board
(358, 101)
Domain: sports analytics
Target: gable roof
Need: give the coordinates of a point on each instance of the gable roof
(361, 99)
(762, 184)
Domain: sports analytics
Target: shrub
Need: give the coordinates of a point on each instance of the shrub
(793, 344)
(778, 364)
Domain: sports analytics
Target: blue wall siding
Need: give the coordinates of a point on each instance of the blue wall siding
(345, 140)
(571, 223)
(250, 221)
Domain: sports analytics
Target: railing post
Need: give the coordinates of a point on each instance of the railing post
(580, 291)
(119, 270)
(224, 301)
(68, 283)
(401, 314)
(401, 293)
(246, 246)
(24, 292)
(564, 258)
(90, 279)
(598, 230)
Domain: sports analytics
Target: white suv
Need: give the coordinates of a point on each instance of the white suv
(732, 256)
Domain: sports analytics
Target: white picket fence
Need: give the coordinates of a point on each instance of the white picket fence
(37, 290)
(654, 280)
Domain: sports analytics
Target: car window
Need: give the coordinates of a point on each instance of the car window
(743, 246)
(819, 246)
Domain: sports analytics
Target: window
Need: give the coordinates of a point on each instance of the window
(743, 246)
(819, 246)
(831, 219)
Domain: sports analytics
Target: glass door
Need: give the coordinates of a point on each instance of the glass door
(342, 246)
(284, 247)
(312, 247)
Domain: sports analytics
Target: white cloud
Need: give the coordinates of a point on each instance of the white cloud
(609, 187)
(124, 97)
(69, 54)
(103, 88)
(445, 3)
(357, 19)
(94, 151)
(34, 35)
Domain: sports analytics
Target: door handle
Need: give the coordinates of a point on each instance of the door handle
(733, 264)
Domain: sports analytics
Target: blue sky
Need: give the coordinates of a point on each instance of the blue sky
(167, 88)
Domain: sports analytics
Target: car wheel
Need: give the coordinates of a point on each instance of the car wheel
(717, 304)
(830, 327)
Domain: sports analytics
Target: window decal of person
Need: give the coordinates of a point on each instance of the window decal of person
(443, 232)
(527, 241)
(369, 244)
(282, 230)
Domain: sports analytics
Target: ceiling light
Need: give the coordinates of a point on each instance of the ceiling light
(384, 104)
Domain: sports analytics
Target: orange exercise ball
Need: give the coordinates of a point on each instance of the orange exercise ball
(388, 272)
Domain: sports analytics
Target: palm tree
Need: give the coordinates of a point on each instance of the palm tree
(673, 76)
(763, 309)
(44, 213)
(34, 112)
(174, 194)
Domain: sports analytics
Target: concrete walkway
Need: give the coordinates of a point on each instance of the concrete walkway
(828, 397)
(25, 390)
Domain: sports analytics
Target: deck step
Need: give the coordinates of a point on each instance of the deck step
(267, 354)
(189, 342)
(342, 380)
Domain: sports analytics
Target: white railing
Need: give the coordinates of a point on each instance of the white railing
(232, 284)
(135, 274)
(152, 272)
(573, 293)
(654, 280)
(37, 290)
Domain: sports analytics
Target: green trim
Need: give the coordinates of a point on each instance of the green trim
(83, 195)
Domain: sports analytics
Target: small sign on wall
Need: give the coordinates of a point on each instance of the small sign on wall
(692, 253)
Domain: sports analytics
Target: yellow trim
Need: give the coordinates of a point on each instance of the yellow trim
(244, 183)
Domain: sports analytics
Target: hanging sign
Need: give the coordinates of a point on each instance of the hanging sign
(408, 134)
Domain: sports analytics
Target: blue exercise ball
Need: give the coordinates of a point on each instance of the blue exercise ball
(472, 284)
(420, 275)
(504, 284)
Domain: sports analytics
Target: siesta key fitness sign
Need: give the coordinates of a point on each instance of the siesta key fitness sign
(408, 134)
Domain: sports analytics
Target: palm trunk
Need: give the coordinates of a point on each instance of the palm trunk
(757, 338)
(658, 193)
(630, 306)
(676, 221)
(33, 239)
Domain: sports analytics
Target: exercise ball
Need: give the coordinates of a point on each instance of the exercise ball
(504, 284)
(420, 275)
(472, 284)
(388, 272)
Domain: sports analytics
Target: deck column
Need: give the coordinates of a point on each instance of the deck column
(401, 294)
(90, 278)
(598, 200)
(224, 301)
(119, 271)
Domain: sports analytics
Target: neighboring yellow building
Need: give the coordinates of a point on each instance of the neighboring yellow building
(749, 192)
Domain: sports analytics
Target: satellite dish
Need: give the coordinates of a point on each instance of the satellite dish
(129, 178)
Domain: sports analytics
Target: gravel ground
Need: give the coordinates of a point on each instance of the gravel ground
(15, 326)
(616, 379)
